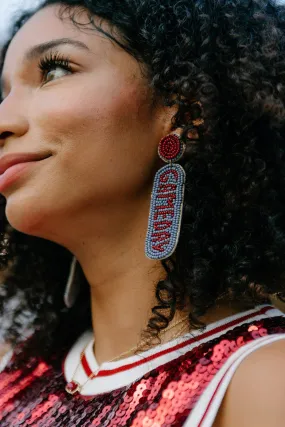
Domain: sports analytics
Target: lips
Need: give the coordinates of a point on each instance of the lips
(12, 159)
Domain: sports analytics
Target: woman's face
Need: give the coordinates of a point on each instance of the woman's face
(92, 112)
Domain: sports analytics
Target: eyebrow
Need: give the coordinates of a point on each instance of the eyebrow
(37, 50)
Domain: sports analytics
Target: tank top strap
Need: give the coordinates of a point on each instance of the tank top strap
(207, 407)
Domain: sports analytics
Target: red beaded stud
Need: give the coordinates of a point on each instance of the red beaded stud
(171, 148)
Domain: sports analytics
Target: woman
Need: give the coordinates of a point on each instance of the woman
(103, 104)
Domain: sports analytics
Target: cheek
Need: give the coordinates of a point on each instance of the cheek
(106, 105)
(101, 135)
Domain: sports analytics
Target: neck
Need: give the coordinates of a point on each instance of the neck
(122, 283)
(121, 308)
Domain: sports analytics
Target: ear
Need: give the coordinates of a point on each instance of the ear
(167, 115)
(166, 120)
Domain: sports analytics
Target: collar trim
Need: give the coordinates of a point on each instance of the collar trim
(107, 372)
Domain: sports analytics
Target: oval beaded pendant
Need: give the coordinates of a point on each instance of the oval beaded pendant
(165, 212)
(171, 148)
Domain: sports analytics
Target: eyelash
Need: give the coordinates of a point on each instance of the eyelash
(51, 61)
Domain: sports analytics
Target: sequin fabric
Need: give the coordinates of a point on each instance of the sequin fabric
(164, 397)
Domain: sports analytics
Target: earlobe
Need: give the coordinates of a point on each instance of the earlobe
(194, 118)
(169, 120)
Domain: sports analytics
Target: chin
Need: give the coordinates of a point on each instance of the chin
(25, 214)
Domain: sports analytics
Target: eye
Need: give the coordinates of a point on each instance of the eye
(53, 67)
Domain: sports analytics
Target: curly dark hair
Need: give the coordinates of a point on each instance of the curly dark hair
(229, 55)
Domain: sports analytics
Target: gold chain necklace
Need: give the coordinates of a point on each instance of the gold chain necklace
(73, 386)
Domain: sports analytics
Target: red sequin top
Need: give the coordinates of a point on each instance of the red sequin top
(164, 397)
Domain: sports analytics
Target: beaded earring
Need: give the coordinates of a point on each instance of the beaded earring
(72, 286)
(166, 201)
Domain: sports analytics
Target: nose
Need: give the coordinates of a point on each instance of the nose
(13, 120)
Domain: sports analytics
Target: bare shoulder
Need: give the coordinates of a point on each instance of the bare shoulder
(255, 397)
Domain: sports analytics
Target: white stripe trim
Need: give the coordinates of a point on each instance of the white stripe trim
(220, 383)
